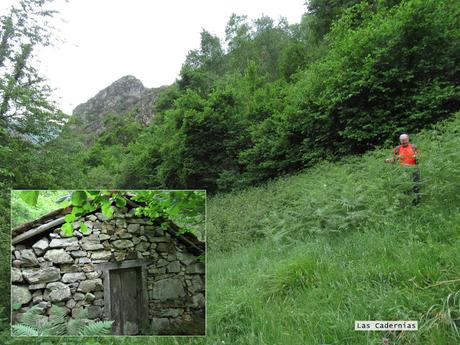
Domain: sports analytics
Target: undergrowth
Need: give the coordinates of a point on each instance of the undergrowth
(298, 260)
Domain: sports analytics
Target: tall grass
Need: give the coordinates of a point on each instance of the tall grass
(354, 194)
(298, 260)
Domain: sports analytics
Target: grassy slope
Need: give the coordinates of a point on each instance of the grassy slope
(298, 260)
(337, 244)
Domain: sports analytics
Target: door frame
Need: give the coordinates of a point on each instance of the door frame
(106, 267)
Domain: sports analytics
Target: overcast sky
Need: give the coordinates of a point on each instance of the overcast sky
(107, 39)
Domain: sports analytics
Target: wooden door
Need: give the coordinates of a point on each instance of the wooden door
(126, 300)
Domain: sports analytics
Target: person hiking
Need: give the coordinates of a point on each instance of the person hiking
(407, 154)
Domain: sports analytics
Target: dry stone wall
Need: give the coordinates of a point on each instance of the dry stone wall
(60, 270)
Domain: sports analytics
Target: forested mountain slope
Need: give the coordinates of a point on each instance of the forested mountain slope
(277, 100)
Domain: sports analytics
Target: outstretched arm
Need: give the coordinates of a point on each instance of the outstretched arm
(395, 156)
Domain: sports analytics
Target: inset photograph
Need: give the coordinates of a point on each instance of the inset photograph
(108, 262)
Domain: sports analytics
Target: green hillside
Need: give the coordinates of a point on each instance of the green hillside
(299, 260)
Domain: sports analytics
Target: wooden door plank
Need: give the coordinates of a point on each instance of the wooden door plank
(129, 281)
(116, 300)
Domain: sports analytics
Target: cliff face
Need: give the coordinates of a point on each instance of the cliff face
(124, 95)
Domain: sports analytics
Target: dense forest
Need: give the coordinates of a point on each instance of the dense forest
(278, 99)
(270, 99)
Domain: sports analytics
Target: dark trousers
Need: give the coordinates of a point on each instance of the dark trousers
(416, 187)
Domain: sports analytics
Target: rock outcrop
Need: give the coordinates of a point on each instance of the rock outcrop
(121, 97)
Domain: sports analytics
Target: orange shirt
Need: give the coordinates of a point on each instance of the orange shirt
(406, 155)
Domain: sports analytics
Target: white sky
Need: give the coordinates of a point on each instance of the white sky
(107, 39)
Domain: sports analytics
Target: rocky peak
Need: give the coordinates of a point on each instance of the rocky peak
(119, 97)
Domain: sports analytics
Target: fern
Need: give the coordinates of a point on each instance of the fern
(31, 317)
(74, 326)
(32, 324)
(24, 330)
(96, 328)
(57, 322)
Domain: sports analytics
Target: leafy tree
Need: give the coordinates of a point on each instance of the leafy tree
(202, 66)
(237, 32)
(380, 77)
(324, 13)
(22, 211)
(25, 105)
(184, 208)
(28, 117)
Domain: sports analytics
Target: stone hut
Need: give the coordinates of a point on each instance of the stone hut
(127, 268)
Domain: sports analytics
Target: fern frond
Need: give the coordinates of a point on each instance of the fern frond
(57, 315)
(54, 330)
(24, 331)
(75, 326)
(56, 324)
(97, 328)
(31, 317)
(34, 324)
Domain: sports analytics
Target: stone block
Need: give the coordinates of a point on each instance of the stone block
(73, 277)
(122, 244)
(87, 268)
(16, 275)
(56, 292)
(196, 284)
(126, 235)
(70, 303)
(58, 256)
(92, 275)
(173, 267)
(90, 285)
(101, 255)
(104, 237)
(70, 268)
(91, 245)
(78, 296)
(169, 288)
(164, 247)
(162, 262)
(99, 302)
(89, 297)
(78, 253)
(143, 246)
(20, 295)
(171, 312)
(41, 275)
(186, 258)
(63, 242)
(40, 246)
(28, 258)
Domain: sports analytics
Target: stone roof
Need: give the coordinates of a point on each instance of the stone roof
(55, 219)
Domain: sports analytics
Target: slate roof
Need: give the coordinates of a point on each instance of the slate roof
(55, 219)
